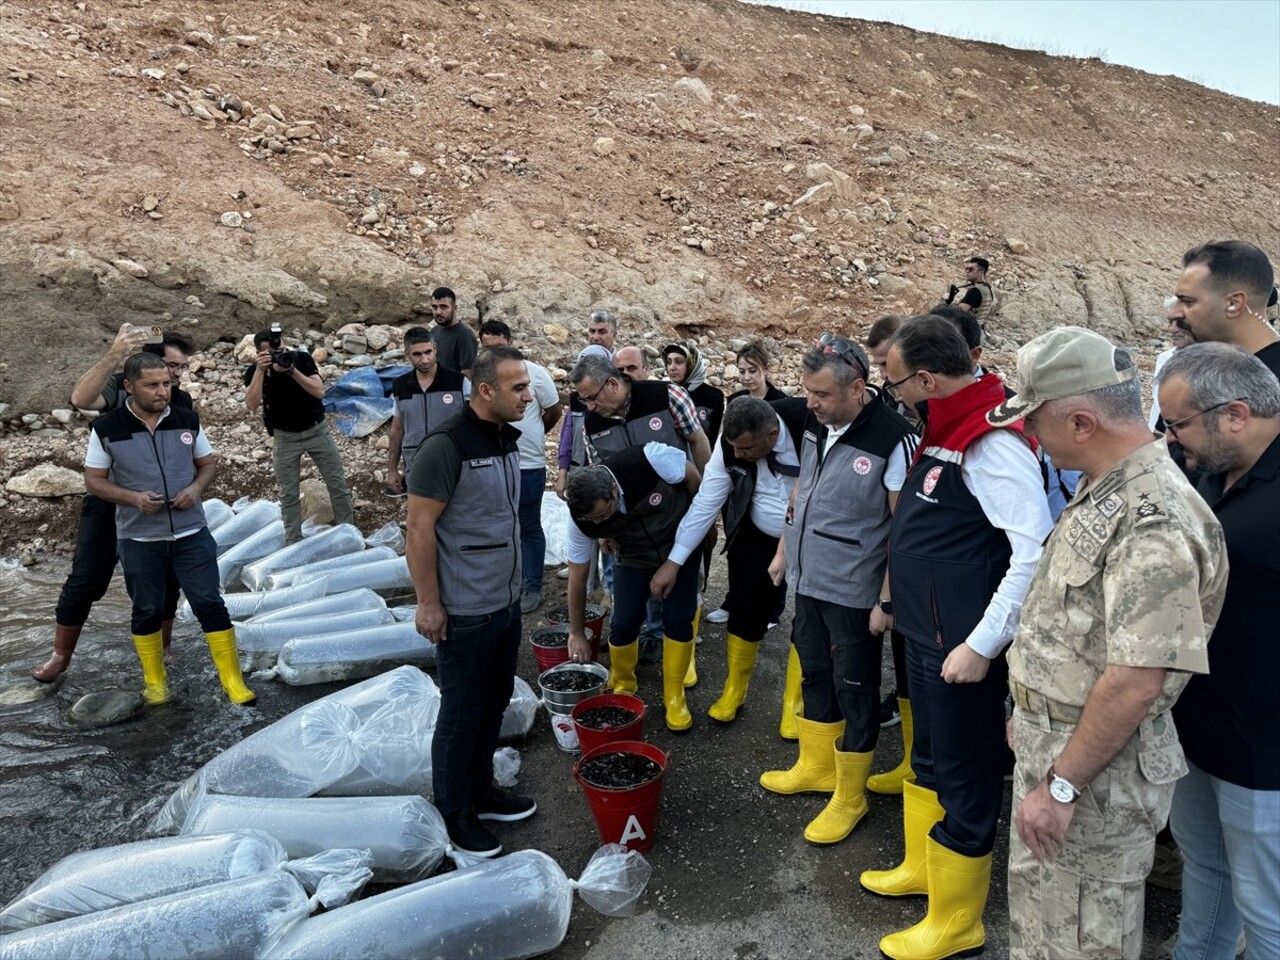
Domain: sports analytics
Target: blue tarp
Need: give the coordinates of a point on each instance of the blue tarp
(359, 401)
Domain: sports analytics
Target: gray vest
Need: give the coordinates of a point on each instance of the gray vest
(836, 543)
(160, 462)
(421, 414)
(478, 534)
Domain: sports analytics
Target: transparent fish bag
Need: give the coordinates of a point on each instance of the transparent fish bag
(335, 542)
(245, 523)
(242, 606)
(283, 578)
(350, 656)
(348, 602)
(382, 575)
(259, 643)
(263, 543)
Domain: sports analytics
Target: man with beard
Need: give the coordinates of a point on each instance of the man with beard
(425, 397)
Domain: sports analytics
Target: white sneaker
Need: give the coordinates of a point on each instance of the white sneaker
(718, 615)
(562, 573)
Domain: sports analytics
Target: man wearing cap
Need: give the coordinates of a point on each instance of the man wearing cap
(963, 544)
(1116, 620)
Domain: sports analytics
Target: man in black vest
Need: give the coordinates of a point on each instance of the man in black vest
(101, 387)
(853, 460)
(154, 462)
(964, 542)
(634, 500)
(463, 549)
(425, 397)
(749, 478)
(286, 384)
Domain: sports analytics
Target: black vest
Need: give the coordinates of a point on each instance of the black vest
(645, 533)
(742, 473)
(648, 418)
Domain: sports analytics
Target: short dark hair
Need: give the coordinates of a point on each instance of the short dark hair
(604, 316)
(172, 338)
(748, 415)
(934, 344)
(980, 263)
(883, 329)
(136, 363)
(261, 337)
(845, 367)
(444, 293)
(968, 325)
(485, 369)
(416, 335)
(587, 486)
(495, 328)
(1235, 263)
(597, 368)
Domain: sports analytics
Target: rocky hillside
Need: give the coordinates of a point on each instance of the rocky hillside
(703, 168)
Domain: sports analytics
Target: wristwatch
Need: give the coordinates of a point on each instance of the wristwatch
(886, 607)
(1064, 791)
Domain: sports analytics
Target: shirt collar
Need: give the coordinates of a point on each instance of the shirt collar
(128, 405)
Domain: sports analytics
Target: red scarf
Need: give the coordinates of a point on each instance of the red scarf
(955, 422)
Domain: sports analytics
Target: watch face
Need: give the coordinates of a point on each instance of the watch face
(1061, 791)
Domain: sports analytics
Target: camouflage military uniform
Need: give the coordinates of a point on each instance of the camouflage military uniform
(1133, 575)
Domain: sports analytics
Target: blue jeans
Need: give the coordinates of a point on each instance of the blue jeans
(193, 560)
(1231, 842)
(630, 601)
(476, 671)
(533, 542)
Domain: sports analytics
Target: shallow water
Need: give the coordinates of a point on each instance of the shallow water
(64, 787)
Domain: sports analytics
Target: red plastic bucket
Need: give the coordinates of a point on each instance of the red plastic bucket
(590, 737)
(594, 626)
(627, 815)
(549, 657)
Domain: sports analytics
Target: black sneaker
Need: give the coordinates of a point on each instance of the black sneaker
(468, 834)
(504, 807)
(889, 715)
(650, 650)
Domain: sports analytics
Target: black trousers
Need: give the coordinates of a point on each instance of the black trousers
(897, 646)
(94, 564)
(840, 660)
(755, 598)
(958, 748)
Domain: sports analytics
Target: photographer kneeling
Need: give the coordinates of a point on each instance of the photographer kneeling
(287, 384)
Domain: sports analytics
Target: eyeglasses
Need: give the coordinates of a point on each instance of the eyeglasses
(609, 510)
(845, 349)
(592, 399)
(178, 367)
(1177, 425)
(892, 388)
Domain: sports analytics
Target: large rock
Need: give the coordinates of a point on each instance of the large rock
(47, 480)
(315, 501)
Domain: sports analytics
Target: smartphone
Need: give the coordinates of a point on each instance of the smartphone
(155, 335)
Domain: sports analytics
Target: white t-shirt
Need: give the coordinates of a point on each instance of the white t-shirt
(532, 433)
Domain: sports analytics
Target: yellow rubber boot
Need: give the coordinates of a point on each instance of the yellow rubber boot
(891, 781)
(741, 659)
(691, 677)
(676, 657)
(958, 888)
(622, 667)
(848, 804)
(222, 647)
(150, 649)
(792, 698)
(920, 811)
(815, 768)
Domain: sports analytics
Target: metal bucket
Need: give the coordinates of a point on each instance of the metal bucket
(562, 702)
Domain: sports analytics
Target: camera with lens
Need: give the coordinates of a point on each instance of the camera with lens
(280, 355)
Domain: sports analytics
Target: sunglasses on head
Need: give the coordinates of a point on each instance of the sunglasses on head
(845, 349)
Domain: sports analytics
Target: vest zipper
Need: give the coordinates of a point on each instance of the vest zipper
(164, 481)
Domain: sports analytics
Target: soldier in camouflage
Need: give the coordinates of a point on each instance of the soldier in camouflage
(1116, 621)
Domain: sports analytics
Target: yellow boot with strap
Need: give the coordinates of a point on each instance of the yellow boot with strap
(150, 649)
(222, 647)
(676, 657)
(890, 782)
(691, 675)
(920, 811)
(622, 667)
(740, 656)
(848, 804)
(815, 769)
(952, 927)
(792, 698)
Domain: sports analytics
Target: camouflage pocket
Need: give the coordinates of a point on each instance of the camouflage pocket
(1160, 756)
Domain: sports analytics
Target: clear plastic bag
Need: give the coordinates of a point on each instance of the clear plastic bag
(216, 513)
(247, 521)
(283, 578)
(382, 575)
(517, 720)
(241, 918)
(405, 835)
(94, 880)
(335, 542)
(407, 613)
(388, 535)
(259, 643)
(350, 656)
(321, 743)
(508, 908)
(242, 606)
(261, 544)
(555, 525)
(506, 767)
(349, 602)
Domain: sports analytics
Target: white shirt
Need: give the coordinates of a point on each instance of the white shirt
(768, 500)
(1000, 470)
(667, 462)
(532, 433)
(1161, 360)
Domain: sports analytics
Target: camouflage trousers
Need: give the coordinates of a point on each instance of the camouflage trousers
(1088, 900)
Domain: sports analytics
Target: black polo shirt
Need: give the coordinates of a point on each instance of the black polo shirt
(285, 405)
(1229, 719)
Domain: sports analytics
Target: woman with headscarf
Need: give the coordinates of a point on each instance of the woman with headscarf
(687, 367)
